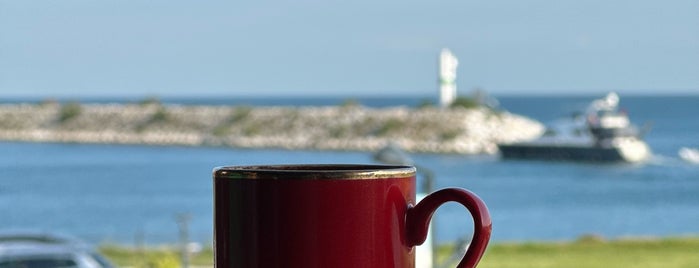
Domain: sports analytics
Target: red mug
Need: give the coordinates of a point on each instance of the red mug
(329, 216)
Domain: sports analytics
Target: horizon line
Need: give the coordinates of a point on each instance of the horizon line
(348, 96)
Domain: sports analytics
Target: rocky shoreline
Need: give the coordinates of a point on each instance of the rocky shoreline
(347, 127)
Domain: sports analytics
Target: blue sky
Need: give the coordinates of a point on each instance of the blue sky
(312, 47)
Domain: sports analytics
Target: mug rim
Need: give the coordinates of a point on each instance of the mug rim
(315, 171)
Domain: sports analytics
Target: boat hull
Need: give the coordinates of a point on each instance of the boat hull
(561, 153)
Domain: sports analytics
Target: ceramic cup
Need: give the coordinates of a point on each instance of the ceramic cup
(329, 216)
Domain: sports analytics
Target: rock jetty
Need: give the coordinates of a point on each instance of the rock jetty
(347, 127)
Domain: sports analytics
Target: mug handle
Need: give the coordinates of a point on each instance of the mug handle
(418, 221)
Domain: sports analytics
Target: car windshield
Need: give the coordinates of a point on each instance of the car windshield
(101, 260)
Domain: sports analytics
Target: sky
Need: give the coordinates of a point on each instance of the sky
(265, 48)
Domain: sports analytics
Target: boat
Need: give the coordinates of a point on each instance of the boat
(690, 155)
(602, 133)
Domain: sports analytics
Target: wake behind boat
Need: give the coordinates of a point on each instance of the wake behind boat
(601, 134)
(690, 155)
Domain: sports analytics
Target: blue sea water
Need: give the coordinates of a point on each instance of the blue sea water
(124, 193)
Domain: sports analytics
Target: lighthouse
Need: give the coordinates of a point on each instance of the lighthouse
(447, 77)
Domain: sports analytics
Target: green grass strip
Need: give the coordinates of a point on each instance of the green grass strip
(588, 251)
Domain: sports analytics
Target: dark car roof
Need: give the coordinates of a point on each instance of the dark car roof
(15, 245)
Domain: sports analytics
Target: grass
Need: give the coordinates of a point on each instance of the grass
(160, 257)
(69, 111)
(637, 253)
(585, 252)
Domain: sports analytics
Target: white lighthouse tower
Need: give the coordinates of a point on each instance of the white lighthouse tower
(447, 77)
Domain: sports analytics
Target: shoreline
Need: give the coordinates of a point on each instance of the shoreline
(338, 128)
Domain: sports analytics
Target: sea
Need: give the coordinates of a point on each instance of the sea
(133, 194)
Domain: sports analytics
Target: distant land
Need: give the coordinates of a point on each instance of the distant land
(348, 126)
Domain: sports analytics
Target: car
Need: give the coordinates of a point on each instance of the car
(45, 250)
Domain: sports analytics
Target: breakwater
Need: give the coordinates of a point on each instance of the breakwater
(346, 127)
